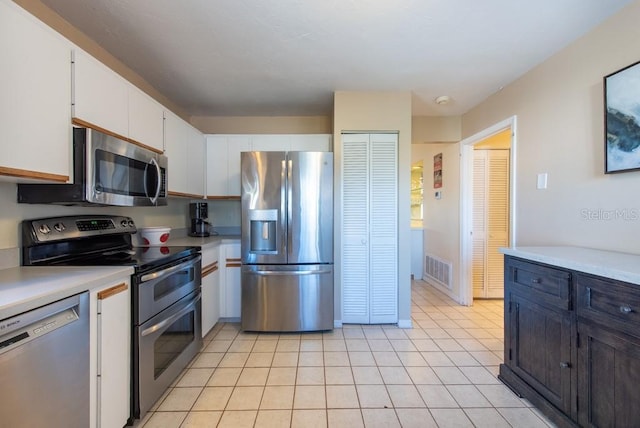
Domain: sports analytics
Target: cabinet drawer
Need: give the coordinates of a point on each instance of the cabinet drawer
(545, 283)
(609, 302)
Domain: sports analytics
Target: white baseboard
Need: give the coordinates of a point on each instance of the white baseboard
(405, 323)
(337, 323)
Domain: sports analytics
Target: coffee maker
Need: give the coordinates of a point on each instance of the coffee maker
(199, 211)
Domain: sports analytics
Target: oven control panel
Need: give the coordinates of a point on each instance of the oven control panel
(70, 227)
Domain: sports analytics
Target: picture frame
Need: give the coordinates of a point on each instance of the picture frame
(622, 120)
(437, 171)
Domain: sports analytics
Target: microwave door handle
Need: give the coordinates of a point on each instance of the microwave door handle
(158, 180)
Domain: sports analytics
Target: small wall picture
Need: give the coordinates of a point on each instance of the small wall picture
(622, 119)
(437, 171)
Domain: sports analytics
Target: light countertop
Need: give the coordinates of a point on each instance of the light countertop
(27, 287)
(210, 241)
(608, 264)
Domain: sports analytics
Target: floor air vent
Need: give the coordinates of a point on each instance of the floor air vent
(438, 270)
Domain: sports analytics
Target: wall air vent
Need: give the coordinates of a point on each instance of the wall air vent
(438, 270)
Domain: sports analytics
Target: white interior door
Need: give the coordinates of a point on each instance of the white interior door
(490, 221)
(370, 228)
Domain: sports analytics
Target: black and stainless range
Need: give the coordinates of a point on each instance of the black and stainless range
(166, 318)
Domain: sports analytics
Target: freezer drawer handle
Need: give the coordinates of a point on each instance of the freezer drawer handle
(290, 272)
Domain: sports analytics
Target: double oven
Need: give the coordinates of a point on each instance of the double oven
(166, 297)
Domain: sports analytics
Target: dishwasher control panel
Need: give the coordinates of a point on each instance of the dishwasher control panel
(23, 328)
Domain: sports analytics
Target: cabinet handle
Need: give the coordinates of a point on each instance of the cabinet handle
(105, 294)
(565, 365)
(626, 309)
(536, 280)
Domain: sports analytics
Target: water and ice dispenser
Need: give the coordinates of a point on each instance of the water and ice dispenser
(264, 231)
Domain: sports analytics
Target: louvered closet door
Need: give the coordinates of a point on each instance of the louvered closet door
(355, 228)
(490, 221)
(369, 228)
(383, 221)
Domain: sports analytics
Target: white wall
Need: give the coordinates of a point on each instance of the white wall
(441, 216)
(377, 111)
(174, 215)
(559, 108)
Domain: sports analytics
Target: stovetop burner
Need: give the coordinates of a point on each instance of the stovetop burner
(98, 240)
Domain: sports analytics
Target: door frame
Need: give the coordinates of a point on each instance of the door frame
(466, 201)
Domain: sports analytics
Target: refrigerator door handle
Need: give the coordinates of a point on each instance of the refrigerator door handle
(289, 208)
(289, 272)
(282, 220)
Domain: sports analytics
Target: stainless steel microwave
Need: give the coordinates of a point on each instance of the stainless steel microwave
(106, 171)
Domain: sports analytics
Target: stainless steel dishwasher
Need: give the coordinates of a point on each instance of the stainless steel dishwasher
(44, 366)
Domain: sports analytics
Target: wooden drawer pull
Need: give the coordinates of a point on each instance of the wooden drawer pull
(625, 309)
(234, 265)
(104, 294)
(209, 269)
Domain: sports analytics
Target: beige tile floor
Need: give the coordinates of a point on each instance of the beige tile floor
(440, 373)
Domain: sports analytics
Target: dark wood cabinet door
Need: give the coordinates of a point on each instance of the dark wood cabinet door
(608, 378)
(540, 348)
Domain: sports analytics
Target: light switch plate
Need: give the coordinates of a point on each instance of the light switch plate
(542, 180)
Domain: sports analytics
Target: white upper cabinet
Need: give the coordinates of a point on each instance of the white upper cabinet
(35, 83)
(100, 96)
(311, 143)
(223, 156)
(185, 150)
(146, 118)
(223, 164)
(104, 99)
(176, 150)
(195, 162)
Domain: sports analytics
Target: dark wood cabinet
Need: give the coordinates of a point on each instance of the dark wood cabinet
(572, 344)
(540, 350)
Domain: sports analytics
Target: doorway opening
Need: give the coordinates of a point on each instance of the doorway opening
(488, 178)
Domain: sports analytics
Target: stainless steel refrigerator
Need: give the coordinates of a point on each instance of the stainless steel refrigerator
(287, 241)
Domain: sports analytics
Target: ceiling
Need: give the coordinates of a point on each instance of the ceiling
(287, 57)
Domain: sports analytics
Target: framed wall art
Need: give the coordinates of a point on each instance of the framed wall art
(622, 119)
(437, 171)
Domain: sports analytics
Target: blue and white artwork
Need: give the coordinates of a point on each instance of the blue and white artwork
(622, 96)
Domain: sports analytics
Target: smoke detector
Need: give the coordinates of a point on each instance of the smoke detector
(443, 99)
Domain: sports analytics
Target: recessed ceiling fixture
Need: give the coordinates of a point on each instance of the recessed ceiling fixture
(443, 99)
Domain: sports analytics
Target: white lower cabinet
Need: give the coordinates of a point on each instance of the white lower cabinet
(111, 355)
(230, 294)
(210, 288)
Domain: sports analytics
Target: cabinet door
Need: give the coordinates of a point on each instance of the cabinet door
(232, 281)
(195, 162)
(271, 143)
(176, 150)
(210, 289)
(540, 348)
(217, 165)
(146, 117)
(114, 355)
(311, 143)
(608, 378)
(35, 111)
(101, 97)
(235, 145)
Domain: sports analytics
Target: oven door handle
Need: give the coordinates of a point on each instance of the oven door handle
(172, 318)
(168, 271)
